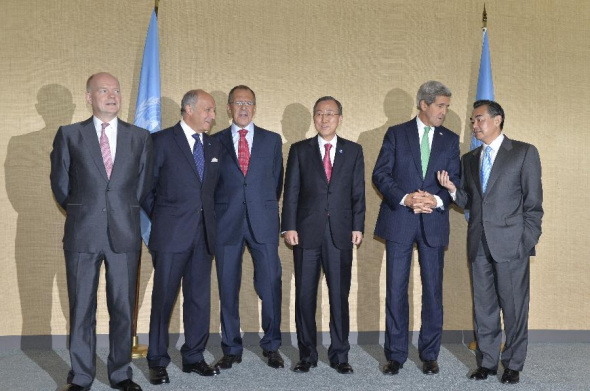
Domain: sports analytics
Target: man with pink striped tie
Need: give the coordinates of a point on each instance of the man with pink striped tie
(101, 169)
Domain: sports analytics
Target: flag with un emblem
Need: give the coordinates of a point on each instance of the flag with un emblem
(147, 110)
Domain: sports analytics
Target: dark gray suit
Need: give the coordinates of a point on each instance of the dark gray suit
(504, 227)
(102, 223)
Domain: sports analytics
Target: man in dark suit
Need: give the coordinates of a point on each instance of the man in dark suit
(415, 210)
(501, 187)
(182, 240)
(101, 169)
(247, 212)
(323, 217)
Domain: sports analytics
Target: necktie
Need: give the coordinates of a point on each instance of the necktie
(199, 156)
(425, 151)
(105, 150)
(243, 152)
(486, 168)
(327, 162)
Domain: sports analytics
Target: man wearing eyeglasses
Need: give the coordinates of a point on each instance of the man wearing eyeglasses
(323, 217)
(247, 213)
(415, 210)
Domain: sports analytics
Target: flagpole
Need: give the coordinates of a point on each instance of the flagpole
(484, 27)
(138, 350)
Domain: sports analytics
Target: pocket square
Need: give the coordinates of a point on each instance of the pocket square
(214, 160)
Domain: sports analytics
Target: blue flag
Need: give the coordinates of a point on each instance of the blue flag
(147, 110)
(485, 84)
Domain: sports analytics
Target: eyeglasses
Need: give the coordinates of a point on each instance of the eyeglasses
(329, 115)
(243, 103)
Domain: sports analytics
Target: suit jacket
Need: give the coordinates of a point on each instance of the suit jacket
(398, 171)
(255, 195)
(80, 185)
(510, 212)
(178, 196)
(310, 201)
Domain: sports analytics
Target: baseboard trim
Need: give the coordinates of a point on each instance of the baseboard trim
(48, 342)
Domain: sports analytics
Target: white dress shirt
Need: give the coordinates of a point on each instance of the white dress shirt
(188, 132)
(110, 131)
(322, 144)
(236, 136)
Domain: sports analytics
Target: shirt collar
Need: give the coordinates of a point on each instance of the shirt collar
(496, 143)
(421, 125)
(188, 131)
(98, 123)
(235, 128)
(323, 142)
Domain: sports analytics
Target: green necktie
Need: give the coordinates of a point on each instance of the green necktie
(425, 150)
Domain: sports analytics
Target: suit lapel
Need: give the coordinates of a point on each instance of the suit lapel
(499, 162)
(184, 147)
(474, 167)
(414, 143)
(123, 144)
(208, 155)
(438, 141)
(341, 149)
(91, 141)
(226, 140)
(316, 158)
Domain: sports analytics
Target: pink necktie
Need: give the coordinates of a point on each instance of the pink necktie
(243, 152)
(327, 162)
(105, 150)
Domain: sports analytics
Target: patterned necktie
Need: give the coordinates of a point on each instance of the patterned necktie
(105, 150)
(327, 162)
(199, 156)
(425, 151)
(486, 168)
(243, 152)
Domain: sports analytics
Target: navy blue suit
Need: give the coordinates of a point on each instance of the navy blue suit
(247, 213)
(398, 172)
(182, 241)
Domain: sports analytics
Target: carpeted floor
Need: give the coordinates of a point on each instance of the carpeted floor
(548, 367)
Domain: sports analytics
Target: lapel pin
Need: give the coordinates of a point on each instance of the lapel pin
(339, 151)
(440, 133)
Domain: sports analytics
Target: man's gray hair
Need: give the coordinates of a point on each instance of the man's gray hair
(429, 91)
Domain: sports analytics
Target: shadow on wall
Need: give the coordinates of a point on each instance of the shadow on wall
(222, 119)
(39, 228)
(397, 106)
(294, 125)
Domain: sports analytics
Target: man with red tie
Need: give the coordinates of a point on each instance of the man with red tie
(247, 213)
(323, 217)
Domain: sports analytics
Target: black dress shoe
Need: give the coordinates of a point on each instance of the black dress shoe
(274, 358)
(75, 387)
(392, 367)
(227, 361)
(159, 375)
(430, 367)
(482, 373)
(343, 368)
(510, 376)
(128, 385)
(303, 366)
(201, 367)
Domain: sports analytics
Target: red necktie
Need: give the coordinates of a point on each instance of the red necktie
(243, 152)
(105, 150)
(327, 162)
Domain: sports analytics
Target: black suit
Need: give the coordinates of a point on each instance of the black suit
(324, 214)
(102, 223)
(182, 241)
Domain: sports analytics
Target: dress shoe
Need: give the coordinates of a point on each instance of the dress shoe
(430, 367)
(274, 358)
(482, 373)
(128, 385)
(227, 361)
(303, 366)
(75, 387)
(343, 368)
(201, 367)
(392, 367)
(510, 376)
(159, 375)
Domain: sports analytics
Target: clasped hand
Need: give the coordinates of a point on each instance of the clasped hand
(420, 202)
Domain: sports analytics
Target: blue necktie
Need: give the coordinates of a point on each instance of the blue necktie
(199, 156)
(486, 168)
